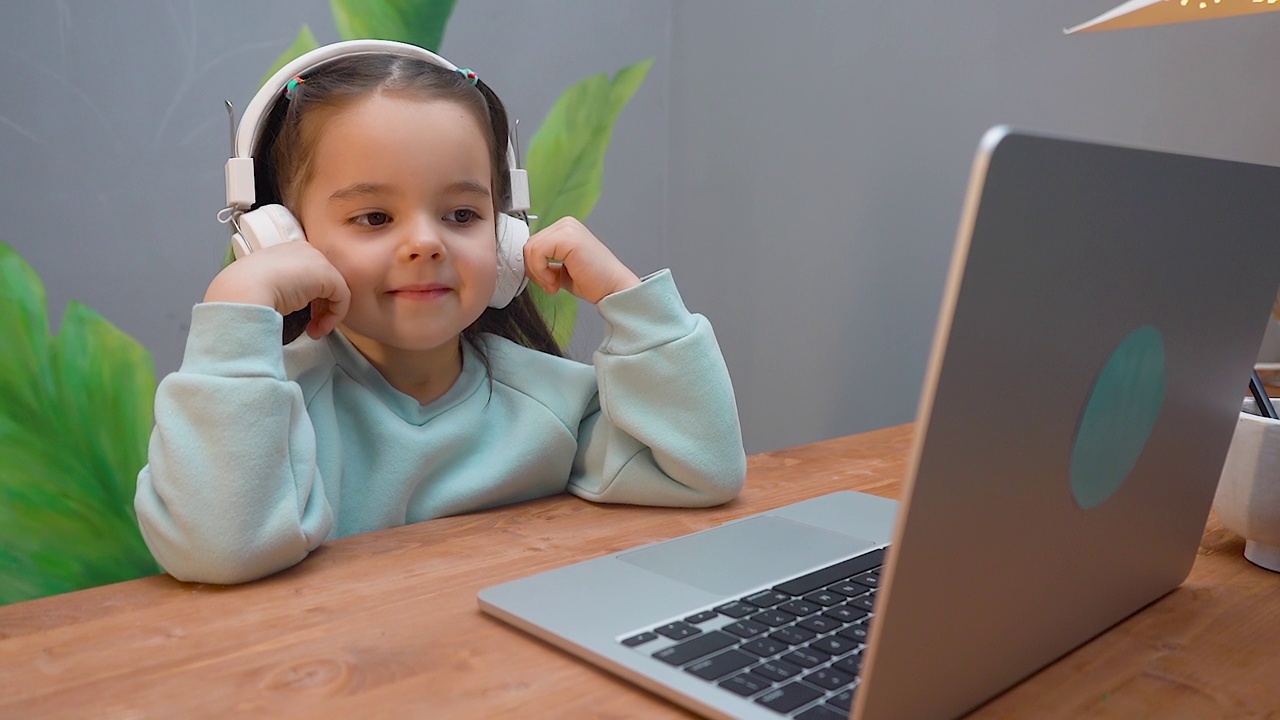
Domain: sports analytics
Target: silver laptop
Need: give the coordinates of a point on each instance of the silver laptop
(1100, 318)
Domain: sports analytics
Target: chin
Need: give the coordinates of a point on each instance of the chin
(423, 343)
(404, 341)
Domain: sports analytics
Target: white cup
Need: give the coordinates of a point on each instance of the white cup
(1248, 497)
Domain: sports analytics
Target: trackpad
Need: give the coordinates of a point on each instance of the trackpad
(743, 555)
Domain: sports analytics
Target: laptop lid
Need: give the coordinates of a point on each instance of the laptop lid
(1102, 312)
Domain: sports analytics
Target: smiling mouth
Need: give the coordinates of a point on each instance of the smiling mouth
(421, 293)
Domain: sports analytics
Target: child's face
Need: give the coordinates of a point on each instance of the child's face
(400, 202)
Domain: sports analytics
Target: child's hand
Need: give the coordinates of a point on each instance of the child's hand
(287, 277)
(565, 255)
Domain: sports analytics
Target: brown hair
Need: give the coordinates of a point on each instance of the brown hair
(293, 127)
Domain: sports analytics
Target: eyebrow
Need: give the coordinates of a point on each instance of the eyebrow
(469, 187)
(361, 189)
(364, 189)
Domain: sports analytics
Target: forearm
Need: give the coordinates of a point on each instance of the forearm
(231, 491)
(668, 431)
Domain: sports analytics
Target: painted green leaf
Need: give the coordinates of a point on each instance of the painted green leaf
(566, 166)
(559, 310)
(420, 22)
(566, 154)
(304, 43)
(75, 415)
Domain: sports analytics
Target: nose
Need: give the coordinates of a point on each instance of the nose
(423, 241)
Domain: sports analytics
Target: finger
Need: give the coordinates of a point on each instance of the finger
(336, 292)
(325, 316)
(551, 280)
(329, 310)
(315, 330)
(538, 265)
(322, 321)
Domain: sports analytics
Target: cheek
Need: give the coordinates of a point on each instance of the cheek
(482, 266)
(487, 260)
(354, 269)
(481, 249)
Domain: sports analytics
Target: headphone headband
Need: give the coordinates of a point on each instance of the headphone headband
(241, 193)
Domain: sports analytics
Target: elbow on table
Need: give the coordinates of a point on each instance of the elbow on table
(222, 560)
(725, 483)
(221, 567)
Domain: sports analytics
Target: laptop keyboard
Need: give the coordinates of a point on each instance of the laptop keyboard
(795, 648)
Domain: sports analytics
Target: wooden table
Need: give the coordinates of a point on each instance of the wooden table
(386, 625)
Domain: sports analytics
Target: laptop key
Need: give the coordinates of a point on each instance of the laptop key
(822, 712)
(851, 664)
(793, 635)
(800, 608)
(866, 602)
(834, 644)
(773, 618)
(832, 573)
(824, 598)
(869, 579)
(736, 609)
(714, 668)
(764, 647)
(640, 639)
(843, 613)
(789, 697)
(745, 628)
(806, 657)
(691, 650)
(828, 679)
(843, 700)
(820, 624)
(701, 617)
(677, 630)
(746, 684)
(766, 598)
(849, 589)
(855, 633)
(776, 670)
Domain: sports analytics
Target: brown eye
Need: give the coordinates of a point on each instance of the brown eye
(464, 216)
(376, 219)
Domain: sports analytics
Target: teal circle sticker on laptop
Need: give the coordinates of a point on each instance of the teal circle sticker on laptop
(1119, 417)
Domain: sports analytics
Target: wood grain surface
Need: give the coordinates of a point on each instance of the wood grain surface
(386, 625)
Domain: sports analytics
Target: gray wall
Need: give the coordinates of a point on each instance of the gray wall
(799, 165)
(820, 150)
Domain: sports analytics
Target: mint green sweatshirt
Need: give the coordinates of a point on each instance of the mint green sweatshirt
(260, 454)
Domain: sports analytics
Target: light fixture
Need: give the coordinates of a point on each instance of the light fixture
(1143, 13)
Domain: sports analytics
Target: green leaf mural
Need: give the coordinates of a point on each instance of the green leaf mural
(420, 22)
(75, 415)
(566, 166)
(304, 43)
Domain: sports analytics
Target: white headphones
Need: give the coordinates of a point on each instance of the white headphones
(274, 224)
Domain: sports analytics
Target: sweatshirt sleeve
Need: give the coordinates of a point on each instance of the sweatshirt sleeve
(667, 430)
(231, 491)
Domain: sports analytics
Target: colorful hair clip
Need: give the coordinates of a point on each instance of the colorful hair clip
(292, 86)
(469, 74)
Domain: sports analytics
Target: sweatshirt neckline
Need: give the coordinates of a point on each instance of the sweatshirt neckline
(406, 407)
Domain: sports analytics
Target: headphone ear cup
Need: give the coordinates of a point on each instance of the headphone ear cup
(266, 226)
(513, 233)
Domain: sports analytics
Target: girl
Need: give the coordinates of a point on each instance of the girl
(410, 398)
